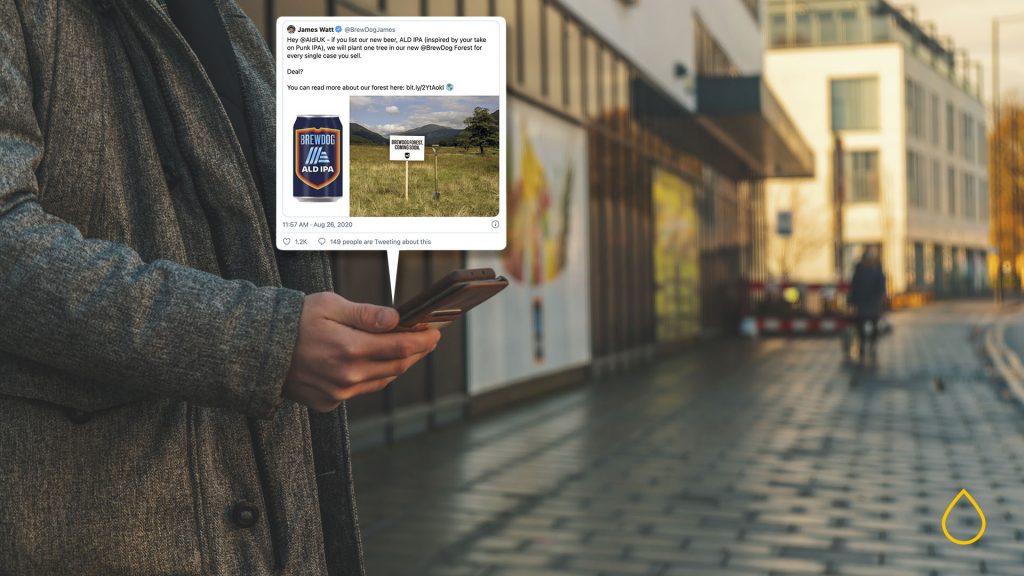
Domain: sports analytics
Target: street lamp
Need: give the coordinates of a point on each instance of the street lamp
(997, 177)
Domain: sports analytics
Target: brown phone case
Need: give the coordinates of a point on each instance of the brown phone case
(449, 298)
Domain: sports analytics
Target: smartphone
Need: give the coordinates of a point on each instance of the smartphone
(449, 298)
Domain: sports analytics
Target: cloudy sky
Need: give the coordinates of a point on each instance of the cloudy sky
(969, 22)
(392, 114)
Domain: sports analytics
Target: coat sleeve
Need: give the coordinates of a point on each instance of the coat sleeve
(94, 309)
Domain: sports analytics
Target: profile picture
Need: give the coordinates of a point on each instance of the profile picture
(291, 29)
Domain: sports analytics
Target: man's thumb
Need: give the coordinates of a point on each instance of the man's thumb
(365, 317)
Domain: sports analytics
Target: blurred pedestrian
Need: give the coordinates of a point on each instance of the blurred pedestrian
(867, 296)
(171, 387)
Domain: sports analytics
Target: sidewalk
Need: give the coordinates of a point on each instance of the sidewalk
(747, 458)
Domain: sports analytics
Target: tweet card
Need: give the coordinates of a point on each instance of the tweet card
(391, 134)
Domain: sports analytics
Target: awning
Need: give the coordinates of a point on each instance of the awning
(743, 113)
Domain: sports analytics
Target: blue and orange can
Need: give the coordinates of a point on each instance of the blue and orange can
(317, 159)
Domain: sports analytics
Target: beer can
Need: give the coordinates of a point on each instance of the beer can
(318, 145)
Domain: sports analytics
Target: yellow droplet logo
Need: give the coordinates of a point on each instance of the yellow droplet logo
(945, 518)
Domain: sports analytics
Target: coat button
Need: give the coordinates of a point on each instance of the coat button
(245, 514)
(78, 416)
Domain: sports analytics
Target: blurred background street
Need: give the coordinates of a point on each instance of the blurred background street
(662, 388)
(743, 458)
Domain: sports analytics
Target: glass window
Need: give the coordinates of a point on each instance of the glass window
(913, 179)
(803, 29)
(828, 30)
(950, 128)
(855, 104)
(555, 77)
(861, 173)
(982, 145)
(916, 109)
(983, 199)
(936, 195)
(918, 264)
(967, 146)
(779, 30)
(970, 202)
(853, 27)
(936, 113)
(908, 106)
(951, 191)
(881, 28)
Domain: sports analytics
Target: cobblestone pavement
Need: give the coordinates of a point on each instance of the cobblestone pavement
(743, 458)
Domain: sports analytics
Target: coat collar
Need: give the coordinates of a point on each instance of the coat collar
(204, 137)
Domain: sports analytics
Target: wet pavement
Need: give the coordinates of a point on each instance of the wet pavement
(742, 458)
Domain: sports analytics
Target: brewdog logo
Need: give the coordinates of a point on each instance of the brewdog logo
(317, 156)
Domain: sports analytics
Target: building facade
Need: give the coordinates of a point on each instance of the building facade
(897, 123)
(634, 213)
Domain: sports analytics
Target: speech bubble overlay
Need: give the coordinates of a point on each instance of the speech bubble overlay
(391, 134)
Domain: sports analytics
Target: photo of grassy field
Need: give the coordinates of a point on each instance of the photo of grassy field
(465, 133)
(468, 183)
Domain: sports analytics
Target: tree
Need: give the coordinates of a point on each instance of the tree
(481, 129)
(1006, 179)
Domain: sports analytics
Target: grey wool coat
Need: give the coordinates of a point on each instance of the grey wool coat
(144, 330)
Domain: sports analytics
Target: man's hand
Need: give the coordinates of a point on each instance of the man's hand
(344, 349)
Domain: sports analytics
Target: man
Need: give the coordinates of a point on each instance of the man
(867, 295)
(156, 379)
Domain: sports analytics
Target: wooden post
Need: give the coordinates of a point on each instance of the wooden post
(437, 191)
(406, 180)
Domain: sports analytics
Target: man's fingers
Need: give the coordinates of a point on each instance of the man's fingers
(364, 388)
(361, 372)
(365, 317)
(404, 344)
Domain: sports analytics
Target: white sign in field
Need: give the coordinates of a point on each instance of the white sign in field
(409, 148)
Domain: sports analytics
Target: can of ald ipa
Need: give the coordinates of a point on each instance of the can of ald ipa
(317, 159)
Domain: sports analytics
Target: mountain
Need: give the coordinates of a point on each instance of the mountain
(434, 133)
(359, 134)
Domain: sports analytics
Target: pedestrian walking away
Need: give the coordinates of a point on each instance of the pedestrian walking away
(867, 296)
